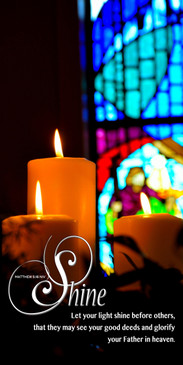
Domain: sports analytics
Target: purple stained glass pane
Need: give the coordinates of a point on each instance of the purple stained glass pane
(101, 140)
(134, 132)
(111, 137)
(122, 135)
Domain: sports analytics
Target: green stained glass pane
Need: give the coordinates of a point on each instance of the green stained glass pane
(119, 75)
(132, 104)
(146, 46)
(119, 67)
(109, 70)
(119, 57)
(156, 206)
(99, 83)
(109, 91)
(131, 55)
(170, 38)
(148, 88)
(131, 78)
(120, 101)
(161, 65)
(119, 86)
(120, 105)
(147, 69)
(161, 38)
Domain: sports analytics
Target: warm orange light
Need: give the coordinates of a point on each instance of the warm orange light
(38, 200)
(58, 145)
(145, 203)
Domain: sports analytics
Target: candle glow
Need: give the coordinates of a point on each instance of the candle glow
(145, 203)
(58, 145)
(38, 200)
(68, 188)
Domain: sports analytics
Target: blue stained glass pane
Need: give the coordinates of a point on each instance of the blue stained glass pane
(150, 111)
(177, 110)
(159, 20)
(100, 114)
(117, 27)
(148, 88)
(116, 6)
(178, 138)
(175, 4)
(159, 8)
(177, 32)
(177, 54)
(177, 128)
(117, 17)
(104, 247)
(142, 2)
(175, 73)
(109, 188)
(129, 8)
(143, 52)
(148, 20)
(164, 84)
(111, 111)
(118, 42)
(120, 115)
(164, 130)
(97, 56)
(160, 5)
(104, 200)
(108, 35)
(98, 98)
(158, 131)
(109, 54)
(107, 13)
(176, 94)
(130, 31)
(82, 35)
(163, 104)
(122, 174)
(97, 30)
(152, 130)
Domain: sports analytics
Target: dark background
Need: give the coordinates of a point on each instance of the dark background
(40, 90)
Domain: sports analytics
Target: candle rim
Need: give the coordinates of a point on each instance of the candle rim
(154, 215)
(82, 159)
(41, 216)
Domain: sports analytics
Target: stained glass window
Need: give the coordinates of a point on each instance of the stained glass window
(148, 159)
(136, 77)
(137, 59)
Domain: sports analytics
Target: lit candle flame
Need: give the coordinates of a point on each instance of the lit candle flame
(38, 200)
(145, 203)
(58, 145)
